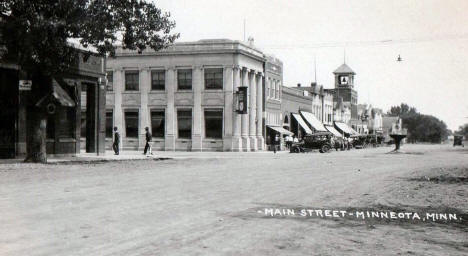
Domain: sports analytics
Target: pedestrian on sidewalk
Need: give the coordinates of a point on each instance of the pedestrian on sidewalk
(289, 141)
(116, 144)
(276, 142)
(148, 142)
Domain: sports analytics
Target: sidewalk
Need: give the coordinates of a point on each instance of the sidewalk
(138, 155)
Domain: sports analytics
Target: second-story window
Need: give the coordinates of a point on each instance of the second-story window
(131, 80)
(213, 78)
(158, 80)
(184, 79)
(110, 80)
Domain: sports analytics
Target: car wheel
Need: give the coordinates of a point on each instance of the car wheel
(295, 150)
(324, 149)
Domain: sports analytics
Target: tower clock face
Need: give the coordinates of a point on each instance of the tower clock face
(344, 80)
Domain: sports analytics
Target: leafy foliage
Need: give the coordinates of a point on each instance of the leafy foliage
(421, 128)
(463, 130)
(36, 33)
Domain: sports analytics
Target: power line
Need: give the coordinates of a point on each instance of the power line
(347, 44)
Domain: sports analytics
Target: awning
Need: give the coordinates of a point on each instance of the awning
(313, 121)
(59, 94)
(280, 130)
(334, 131)
(302, 123)
(345, 128)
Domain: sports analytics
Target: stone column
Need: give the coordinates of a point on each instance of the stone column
(170, 85)
(259, 135)
(245, 117)
(236, 118)
(228, 107)
(145, 87)
(119, 80)
(197, 109)
(253, 111)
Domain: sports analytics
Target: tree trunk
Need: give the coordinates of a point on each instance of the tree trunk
(36, 136)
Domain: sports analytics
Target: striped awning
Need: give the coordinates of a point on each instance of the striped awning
(313, 121)
(334, 131)
(280, 130)
(302, 123)
(345, 128)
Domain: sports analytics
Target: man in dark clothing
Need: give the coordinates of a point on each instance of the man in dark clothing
(115, 145)
(148, 141)
(276, 142)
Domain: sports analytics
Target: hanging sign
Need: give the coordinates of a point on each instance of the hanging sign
(242, 100)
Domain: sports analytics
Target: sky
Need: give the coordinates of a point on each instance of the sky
(430, 36)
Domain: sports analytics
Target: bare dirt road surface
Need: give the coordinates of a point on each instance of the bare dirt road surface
(217, 206)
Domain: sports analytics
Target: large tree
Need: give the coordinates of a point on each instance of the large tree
(36, 36)
(421, 128)
(463, 130)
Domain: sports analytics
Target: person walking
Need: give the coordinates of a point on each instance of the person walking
(116, 144)
(148, 137)
(276, 142)
(288, 141)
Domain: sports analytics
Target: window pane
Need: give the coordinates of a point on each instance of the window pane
(131, 124)
(157, 123)
(158, 78)
(214, 123)
(110, 80)
(184, 123)
(83, 124)
(184, 79)
(214, 78)
(109, 123)
(131, 81)
(50, 128)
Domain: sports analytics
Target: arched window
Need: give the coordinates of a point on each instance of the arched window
(286, 119)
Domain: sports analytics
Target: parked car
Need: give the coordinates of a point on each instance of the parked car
(320, 141)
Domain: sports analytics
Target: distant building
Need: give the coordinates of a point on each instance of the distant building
(322, 102)
(295, 100)
(273, 99)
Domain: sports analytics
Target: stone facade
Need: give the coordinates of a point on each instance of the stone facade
(197, 81)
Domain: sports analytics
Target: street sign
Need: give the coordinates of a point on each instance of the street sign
(25, 85)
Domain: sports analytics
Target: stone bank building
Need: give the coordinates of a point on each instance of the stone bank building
(187, 95)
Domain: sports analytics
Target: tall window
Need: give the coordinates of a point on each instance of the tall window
(131, 80)
(272, 91)
(213, 78)
(131, 123)
(157, 123)
(267, 93)
(184, 123)
(158, 80)
(214, 123)
(110, 80)
(109, 123)
(83, 124)
(184, 79)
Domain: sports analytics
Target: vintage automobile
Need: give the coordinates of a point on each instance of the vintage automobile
(360, 141)
(458, 140)
(320, 141)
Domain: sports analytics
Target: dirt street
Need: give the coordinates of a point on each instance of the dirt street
(217, 206)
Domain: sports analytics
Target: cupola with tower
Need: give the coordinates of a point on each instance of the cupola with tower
(344, 88)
